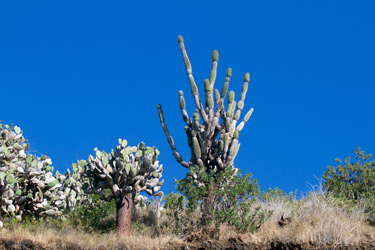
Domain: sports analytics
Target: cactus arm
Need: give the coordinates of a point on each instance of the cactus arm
(217, 96)
(241, 102)
(220, 163)
(184, 113)
(215, 59)
(209, 135)
(193, 85)
(245, 119)
(176, 154)
(226, 145)
(233, 152)
(220, 106)
(210, 93)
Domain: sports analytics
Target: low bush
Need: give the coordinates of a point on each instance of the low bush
(233, 203)
(353, 182)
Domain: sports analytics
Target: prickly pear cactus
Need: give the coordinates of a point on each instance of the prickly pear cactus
(127, 171)
(73, 182)
(27, 184)
(212, 132)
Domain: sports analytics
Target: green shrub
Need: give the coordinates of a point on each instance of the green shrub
(277, 194)
(353, 181)
(181, 221)
(94, 216)
(234, 198)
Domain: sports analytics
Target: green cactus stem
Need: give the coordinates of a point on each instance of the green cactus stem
(193, 85)
(176, 154)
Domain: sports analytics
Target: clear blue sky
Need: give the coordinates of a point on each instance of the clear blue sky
(75, 75)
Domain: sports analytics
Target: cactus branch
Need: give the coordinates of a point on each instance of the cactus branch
(193, 85)
(245, 119)
(184, 113)
(176, 154)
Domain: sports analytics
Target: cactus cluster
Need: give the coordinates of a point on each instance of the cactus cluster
(212, 132)
(27, 183)
(28, 186)
(128, 169)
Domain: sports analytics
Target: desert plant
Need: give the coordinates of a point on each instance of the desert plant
(75, 195)
(27, 184)
(214, 143)
(127, 171)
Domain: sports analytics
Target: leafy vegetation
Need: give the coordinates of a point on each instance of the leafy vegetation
(234, 202)
(353, 182)
(96, 216)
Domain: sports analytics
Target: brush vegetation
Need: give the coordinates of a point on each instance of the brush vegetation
(317, 219)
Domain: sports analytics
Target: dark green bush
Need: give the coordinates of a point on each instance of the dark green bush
(94, 216)
(351, 181)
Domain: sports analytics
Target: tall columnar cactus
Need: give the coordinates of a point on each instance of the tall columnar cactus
(127, 171)
(27, 184)
(213, 130)
(213, 141)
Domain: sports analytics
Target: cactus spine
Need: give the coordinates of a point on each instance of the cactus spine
(127, 171)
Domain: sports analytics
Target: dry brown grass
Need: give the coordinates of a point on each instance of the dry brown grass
(56, 238)
(317, 221)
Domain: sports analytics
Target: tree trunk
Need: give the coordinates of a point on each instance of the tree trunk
(124, 206)
(208, 205)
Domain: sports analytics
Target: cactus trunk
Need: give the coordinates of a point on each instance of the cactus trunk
(124, 206)
(208, 205)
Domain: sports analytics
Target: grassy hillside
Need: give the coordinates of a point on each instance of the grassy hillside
(315, 220)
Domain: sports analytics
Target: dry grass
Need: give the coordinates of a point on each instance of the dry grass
(316, 220)
(47, 237)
